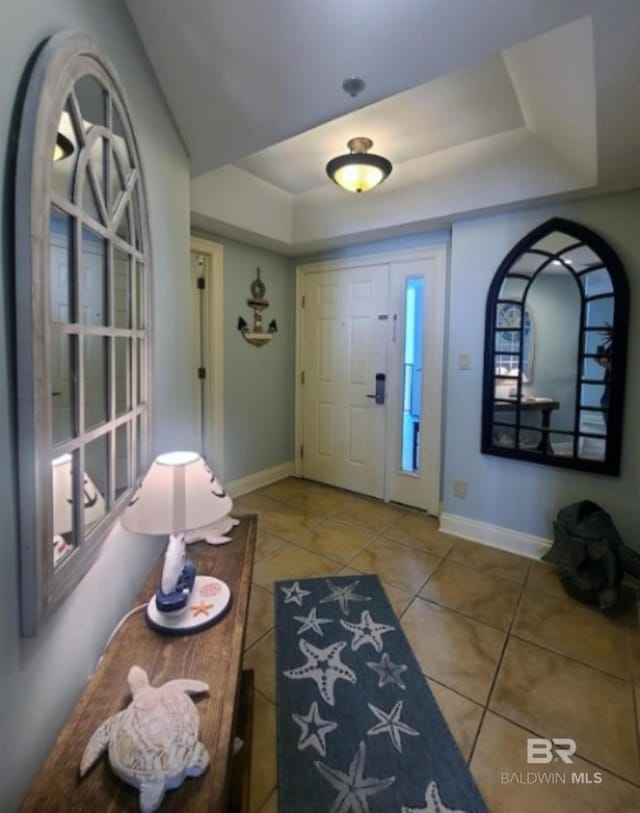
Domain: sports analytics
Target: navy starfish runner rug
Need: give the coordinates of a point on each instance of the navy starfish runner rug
(358, 728)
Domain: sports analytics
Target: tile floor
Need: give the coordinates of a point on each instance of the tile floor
(506, 653)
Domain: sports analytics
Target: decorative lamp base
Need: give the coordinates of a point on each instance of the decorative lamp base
(208, 601)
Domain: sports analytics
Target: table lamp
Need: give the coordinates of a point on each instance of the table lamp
(178, 494)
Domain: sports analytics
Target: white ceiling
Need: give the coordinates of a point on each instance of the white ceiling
(479, 104)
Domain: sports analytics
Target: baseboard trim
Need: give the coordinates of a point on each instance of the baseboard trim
(243, 485)
(495, 536)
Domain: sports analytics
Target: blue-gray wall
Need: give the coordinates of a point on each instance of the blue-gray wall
(517, 495)
(403, 243)
(258, 381)
(41, 678)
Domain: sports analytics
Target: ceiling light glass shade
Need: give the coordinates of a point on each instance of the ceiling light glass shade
(178, 493)
(359, 170)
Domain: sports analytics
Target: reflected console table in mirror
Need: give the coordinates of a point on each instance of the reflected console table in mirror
(563, 290)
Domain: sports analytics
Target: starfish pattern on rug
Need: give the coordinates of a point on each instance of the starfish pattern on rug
(353, 787)
(312, 622)
(387, 671)
(294, 594)
(391, 724)
(343, 595)
(313, 730)
(324, 666)
(367, 632)
(434, 802)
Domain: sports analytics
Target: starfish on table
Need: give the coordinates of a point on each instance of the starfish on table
(367, 632)
(434, 803)
(387, 671)
(324, 666)
(312, 622)
(201, 609)
(294, 594)
(353, 787)
(313, 729)
(343, 595)
(391, 724)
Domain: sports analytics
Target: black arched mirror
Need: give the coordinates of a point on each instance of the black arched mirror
(555, 351)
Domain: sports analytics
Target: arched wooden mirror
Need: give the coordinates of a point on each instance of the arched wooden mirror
(82, 314)
(555, 351)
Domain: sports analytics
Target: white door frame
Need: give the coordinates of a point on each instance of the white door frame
(215, 351)
(437, 253)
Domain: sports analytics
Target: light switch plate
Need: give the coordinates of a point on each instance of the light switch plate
(459, 488)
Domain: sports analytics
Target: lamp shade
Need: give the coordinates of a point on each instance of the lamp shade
(359, 170)
(178, 493)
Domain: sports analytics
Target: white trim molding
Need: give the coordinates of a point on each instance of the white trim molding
(260, 479)
(495, 536)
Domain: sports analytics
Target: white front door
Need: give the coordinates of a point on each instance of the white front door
(345, 344)
(365, 325)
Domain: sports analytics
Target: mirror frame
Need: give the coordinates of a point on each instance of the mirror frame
(56, 68)
(610, 260)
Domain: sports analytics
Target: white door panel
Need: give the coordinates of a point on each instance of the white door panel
(419, 488)
(344, 348)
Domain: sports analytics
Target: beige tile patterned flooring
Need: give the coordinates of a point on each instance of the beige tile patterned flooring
(506, 653)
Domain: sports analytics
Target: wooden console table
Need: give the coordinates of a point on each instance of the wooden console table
(213, 655)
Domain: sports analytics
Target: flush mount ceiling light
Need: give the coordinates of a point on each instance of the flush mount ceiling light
(359, 170)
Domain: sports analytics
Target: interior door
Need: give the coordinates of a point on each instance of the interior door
(207, 353)
(345, 347)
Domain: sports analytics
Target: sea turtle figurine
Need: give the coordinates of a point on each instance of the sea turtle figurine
(153, 744)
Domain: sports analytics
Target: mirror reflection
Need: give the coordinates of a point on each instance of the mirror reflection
(509, 361)
(64, 489)
(565, 409)
(63, 520)
(97, 301)
(65, 152)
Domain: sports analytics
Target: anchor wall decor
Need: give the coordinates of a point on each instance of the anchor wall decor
(258, 336)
